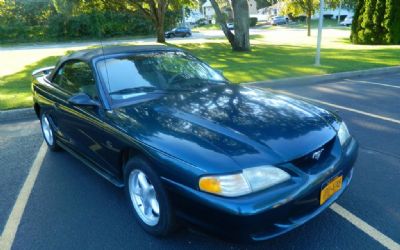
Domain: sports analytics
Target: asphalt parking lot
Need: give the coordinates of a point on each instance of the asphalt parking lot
(71, 207)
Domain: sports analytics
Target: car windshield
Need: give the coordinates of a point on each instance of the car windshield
(132, 75)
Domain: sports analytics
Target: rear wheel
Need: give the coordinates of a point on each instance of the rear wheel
(147, 197)
(48, 132)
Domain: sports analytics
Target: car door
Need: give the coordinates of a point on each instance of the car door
(82, 126)
(179, 32)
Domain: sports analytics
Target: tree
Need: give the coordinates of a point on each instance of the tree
(391, 22)
(300, 7)
(155, 10)
(240, 41)
(357, 20)
(66, 9)
(265, 3)
(376, 22)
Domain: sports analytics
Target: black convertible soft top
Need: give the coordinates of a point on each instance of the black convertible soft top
(89, 54)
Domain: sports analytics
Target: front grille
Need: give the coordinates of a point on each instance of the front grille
(307, 162)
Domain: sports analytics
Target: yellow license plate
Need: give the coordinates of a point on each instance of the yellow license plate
(330, 189)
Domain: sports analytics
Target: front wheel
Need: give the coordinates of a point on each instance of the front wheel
(48, 132)
(147, 197)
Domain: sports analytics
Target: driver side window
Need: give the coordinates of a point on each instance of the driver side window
(76, 77)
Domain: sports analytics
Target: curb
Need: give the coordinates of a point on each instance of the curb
(308, 80)
(17, 114)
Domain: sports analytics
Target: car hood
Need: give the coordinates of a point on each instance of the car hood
(228, 126)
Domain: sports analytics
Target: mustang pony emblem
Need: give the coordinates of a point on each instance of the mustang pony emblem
(317, 154)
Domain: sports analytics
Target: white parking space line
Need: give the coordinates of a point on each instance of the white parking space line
(385, 118)
(8, 235)
(374, 83)
(365, 227)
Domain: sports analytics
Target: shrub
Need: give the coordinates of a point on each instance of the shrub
(94, 24)
(376, 22)
(253, 21)
(297, 18)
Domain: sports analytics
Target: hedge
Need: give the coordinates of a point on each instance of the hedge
(376, 22)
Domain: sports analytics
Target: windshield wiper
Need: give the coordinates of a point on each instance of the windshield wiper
(141, 89)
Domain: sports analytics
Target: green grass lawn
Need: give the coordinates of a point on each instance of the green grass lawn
(266, 61)
(207, 27)
(328, 23)
(15, 89)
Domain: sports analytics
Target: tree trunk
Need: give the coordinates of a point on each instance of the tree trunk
(309, 23)
(155, 13)
(160, 33)
(160, 17)
(222, 22)
(242, 25)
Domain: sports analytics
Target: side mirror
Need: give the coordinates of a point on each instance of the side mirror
(82, 99)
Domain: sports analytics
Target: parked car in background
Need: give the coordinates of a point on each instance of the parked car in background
(178, 32)
(230, 26)
(278, 20)
(347, 21)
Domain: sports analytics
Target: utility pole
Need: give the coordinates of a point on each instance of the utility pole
(320, 23)
(340, 9)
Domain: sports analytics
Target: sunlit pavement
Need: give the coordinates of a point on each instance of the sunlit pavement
(71, 207)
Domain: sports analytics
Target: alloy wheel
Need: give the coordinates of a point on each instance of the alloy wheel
(47, 131)
(144, 198)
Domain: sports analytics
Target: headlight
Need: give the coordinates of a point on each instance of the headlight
(343, 134)
(250, 180)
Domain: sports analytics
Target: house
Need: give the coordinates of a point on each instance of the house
(193, 16)
(208, 10)
(209, 13)
(334, 12)
(267, 13)
(252, 7)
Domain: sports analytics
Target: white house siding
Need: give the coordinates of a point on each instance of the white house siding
(334, 12)
(208, 10)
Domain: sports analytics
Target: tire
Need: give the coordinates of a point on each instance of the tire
(161, 224)
(48, 132)
(172, 36)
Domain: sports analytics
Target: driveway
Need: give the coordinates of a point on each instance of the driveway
(71, 207)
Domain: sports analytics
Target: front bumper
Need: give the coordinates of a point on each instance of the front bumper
(266, 214)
